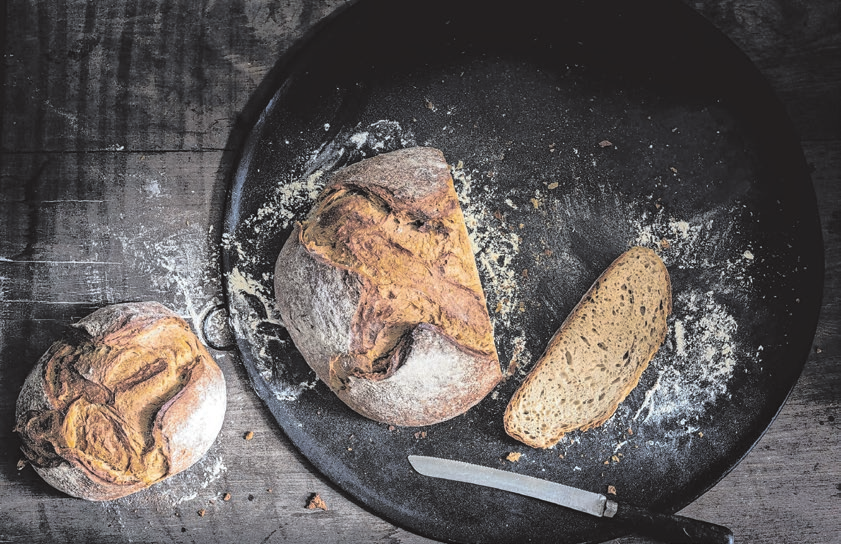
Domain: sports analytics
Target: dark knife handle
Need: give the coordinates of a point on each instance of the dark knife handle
(670, 528)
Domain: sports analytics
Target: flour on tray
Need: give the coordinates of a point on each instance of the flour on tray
(703, 347)
(494, 249)
(696, 363)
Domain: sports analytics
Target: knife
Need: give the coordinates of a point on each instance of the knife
(665, 527)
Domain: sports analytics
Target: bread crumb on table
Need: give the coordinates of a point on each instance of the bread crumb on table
(611, 490)
(315, 501)
(514, 456)
(248, 435)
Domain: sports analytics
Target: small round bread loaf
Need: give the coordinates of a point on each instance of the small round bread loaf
(128, 398)
(379, 290)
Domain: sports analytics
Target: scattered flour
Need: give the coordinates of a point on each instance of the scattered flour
(703, 243)
(694, 368)
(252, 309)
(175, 262)
(495, 248)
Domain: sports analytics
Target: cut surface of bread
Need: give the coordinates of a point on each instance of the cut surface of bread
(379, 290)
(596, 357)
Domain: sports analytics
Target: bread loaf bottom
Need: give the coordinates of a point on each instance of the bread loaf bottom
(597, 355)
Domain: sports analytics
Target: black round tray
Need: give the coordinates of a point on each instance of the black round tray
(575, 130)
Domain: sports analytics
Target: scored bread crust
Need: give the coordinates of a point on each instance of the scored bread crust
(597, 356)
(425, 371)
(183, 428)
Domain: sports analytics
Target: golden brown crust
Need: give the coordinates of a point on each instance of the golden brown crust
(597, 356)
(104, 412)
(384, 252)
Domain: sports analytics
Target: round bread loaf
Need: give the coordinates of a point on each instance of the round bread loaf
(379, 290)
(128, 398)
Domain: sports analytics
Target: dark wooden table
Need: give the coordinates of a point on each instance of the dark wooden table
(116, 123)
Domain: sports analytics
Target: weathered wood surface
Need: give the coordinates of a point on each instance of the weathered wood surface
(116, 123)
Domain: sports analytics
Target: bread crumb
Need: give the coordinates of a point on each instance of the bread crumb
(611, 490)
(514, 456)
(21, 464)
(201, 512)
(315, 501)
(248, 435)
(665, 244)
(226, 497)
(392, 428)
(605, 143)
(535, 202)
(673, 169)
(552, 186)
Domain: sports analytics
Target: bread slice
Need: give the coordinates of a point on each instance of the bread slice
(597, 355)
(379, 291)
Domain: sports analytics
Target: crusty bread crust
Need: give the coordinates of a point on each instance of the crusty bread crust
(90, 414)
(379, 290)
(597, 356)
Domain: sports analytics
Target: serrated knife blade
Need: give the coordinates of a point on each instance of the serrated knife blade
(564, 495)
(669, 528)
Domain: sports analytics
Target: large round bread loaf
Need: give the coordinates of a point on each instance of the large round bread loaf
(597, 355)
(379, 290)
(129, 398)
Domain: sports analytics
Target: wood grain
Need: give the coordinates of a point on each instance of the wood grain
(119, 121)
